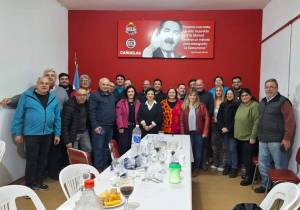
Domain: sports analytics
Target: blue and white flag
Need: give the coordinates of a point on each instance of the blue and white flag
(76, 83)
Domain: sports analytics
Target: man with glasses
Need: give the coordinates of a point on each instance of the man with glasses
(275, 131)
(237, 86)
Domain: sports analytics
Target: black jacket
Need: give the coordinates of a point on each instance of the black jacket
(226, 116)
(208, 100)
(71, 116)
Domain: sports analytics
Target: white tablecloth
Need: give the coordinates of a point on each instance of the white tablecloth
(150, 195)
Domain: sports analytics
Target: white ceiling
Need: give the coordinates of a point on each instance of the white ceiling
(163, 4)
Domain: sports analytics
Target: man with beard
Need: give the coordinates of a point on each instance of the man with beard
(64, 82)
(164, 41)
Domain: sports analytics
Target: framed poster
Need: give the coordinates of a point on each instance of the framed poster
(166, 39)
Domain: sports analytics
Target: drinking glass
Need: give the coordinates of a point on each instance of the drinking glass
(126, 188)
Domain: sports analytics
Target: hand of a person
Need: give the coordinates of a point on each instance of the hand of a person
(146, 128)
(252, 141)
(98, 130)
(121, 130)
(19, 139)
(225, 130)
(5, 101)
(286, 143)
(69, 145)
(204, 136)
(155, 43)
(56, 140)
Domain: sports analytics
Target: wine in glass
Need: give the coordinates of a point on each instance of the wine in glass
(127, 186)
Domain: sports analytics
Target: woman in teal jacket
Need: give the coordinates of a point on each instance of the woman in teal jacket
(36, 120)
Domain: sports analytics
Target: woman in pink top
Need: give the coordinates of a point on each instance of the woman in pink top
(127, 111)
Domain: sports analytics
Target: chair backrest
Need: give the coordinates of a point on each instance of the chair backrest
(113, 146)
(78, 156)
(9, 193)
(2, 149)
(286, 191)
(298, 156)
(71, 177)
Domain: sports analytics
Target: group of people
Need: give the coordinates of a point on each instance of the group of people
(227, 126)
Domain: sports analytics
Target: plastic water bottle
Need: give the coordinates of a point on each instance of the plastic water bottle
(88, 199)
(135, 141)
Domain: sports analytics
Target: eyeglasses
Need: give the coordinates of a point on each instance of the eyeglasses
(244, 95)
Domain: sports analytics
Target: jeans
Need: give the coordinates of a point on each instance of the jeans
(197, 147)
(37, 148)
(230, 152)
(101, 152)
(269, 152)
(83, 141)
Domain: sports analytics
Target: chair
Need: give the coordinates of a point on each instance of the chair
(285, 175)
(71, 177)
(288, 192)
(113, 146)
(78, 156)
(9, 193)
(254, 162)
(2, 149)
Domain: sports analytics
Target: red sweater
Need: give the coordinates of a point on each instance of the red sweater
(202, 120)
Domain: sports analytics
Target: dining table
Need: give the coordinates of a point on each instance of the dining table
(152, 194)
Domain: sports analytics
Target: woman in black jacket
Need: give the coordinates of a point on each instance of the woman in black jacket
(226, 125)
(150, 114)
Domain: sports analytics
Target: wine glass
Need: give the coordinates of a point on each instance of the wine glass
(162, 158)
(126, 188)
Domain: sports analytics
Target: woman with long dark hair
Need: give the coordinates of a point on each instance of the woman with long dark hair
(171, 109)
(245, 131)
(126, 112)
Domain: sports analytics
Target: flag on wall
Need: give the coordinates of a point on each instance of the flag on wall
(76, 84)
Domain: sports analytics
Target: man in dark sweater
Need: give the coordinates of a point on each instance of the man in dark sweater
(159, 95)
(75, 122)
(102, 117)
(275, 132)
(207, 99)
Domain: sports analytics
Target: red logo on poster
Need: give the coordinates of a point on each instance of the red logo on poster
(130, 29)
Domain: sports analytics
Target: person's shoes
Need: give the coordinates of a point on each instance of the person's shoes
(226, 170)
(260, 189)
(213, 167)
(233, 173)
(220, 169)
(204, 167)
(195, 172)
(39, 187)
(246, 182)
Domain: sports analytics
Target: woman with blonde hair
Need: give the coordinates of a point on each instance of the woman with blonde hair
(216, 137)
(194, 121)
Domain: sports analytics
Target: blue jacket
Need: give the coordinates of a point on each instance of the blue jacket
(31, 118)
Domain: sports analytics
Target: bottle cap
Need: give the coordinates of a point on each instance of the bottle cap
(174, 165)
(89, 183)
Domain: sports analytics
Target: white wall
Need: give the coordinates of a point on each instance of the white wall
(33, 37)
(280, 56)
(277, 13)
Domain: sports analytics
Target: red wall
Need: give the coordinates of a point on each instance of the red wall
(93, 36)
